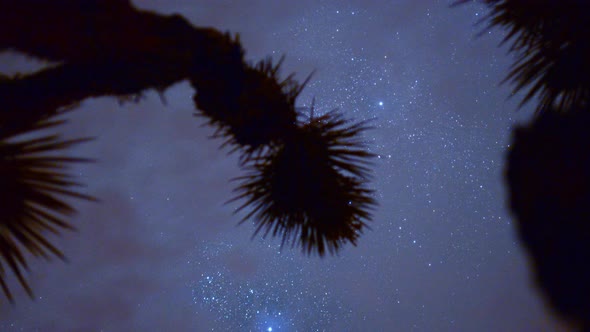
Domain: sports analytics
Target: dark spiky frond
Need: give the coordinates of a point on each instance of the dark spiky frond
(548, 176)
(256, 108)
(34, 187)
(311, 190)
(551, 41)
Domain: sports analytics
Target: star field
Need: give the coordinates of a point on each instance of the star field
(440, 255)
(280, 303)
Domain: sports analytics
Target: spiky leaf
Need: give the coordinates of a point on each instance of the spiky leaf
(551, 42)
(34, 186)
(311, 190)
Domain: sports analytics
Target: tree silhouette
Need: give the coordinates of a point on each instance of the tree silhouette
(328, 209)
(550, 42)
(548, 163)
(306, 178)
(33, 185)
(549, 181)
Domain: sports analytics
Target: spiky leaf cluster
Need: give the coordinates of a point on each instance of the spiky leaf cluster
(551, 41)
(311, 189)
(549, 180)
(35, 186)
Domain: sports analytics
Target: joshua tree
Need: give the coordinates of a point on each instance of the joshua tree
(548, 173)
(549, 40)
(548, 164)
(306, 179)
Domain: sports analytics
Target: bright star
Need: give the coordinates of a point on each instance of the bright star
(269, 329)
(380, 103)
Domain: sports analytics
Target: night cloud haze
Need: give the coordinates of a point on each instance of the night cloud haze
(161, 249)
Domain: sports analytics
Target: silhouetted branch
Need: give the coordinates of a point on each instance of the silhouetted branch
(88, 31)
(43, 94)
(251, 108)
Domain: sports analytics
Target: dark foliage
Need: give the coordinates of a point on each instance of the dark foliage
(110, 48)
(255, 107)
(310, 189)
(34, 185)
(549, 180)
(548, 165)
(550, 40)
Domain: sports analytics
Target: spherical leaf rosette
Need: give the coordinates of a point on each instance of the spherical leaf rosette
(34, 187)
(311, 189)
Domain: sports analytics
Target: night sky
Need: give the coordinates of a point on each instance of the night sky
(162, 252)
